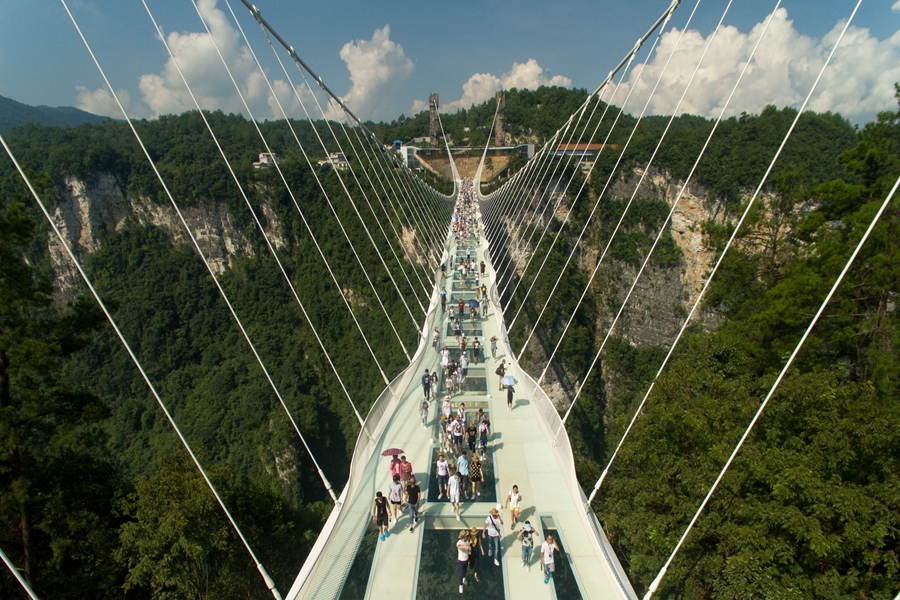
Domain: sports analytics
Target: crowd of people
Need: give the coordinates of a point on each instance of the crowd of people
(463, 435)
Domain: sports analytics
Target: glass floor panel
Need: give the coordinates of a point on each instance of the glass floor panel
(488, 488)
(438, 572)
(564, 581)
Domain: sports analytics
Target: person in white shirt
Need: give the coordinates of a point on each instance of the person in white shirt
(442, 471)
(491, 533)
(512, 503)
(547, 549)
(454, 493)
(462, 557)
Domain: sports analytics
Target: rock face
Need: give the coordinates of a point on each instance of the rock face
(662, 296)
(88, 210)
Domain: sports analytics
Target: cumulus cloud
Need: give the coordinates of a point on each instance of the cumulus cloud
(858, 83)
(375, 67)
(101, 102)
(196, 55)
(896, 6)
(482, 86)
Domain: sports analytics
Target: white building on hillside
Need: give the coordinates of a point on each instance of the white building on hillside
(266, 160)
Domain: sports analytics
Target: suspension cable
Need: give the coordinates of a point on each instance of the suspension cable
(643, 176)
(262, 571)
(336, 170)
(656, 241)
(12, 569)
(621, 155)
(209, 268)
(278, 167)
(252, 212)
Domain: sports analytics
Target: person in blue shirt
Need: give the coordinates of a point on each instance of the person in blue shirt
(462, 466)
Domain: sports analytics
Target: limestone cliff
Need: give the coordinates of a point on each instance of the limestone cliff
(87, 210)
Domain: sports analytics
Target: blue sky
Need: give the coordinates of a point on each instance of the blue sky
(438, 47)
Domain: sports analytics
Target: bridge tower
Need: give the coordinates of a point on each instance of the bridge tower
(435, 129)
(501, 118)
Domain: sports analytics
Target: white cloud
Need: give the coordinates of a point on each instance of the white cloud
(896, 6)
(375, 66)
(196, 55)
(858, 83)
(482, 86)
(101, 102)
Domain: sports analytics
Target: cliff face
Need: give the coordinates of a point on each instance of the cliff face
(88, 210)
(662, 296)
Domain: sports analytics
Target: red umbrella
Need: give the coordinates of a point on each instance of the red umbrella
(392, 452)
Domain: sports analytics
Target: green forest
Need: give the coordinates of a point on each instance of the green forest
(99, 500)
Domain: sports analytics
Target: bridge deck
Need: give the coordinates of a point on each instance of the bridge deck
(521, 455)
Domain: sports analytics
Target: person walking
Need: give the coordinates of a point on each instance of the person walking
(406, 470)
(547, 559)
(455, 484)
(473, 311)
(484, 307)
(484, 432)
(394, 466)
(424, 414)
(395, 495)
(462, 557)
(460, 308)
(443, 293)
(474, 552)
(493, 347)
(457, 330)
(512, 503)
(472, 437)
(446, 407)
(426, 384)
(463, 369)
(500, 372)
(476, 351)
(444, 433)
(445, 359)
(462, 469)
(491, 533)
(442, 472)
(482, 268)
(436, 340)
(509, 397)
(527, 536)
(463, 344)
(413, 497)
(457, 431)
(380, 516)
(475, 474)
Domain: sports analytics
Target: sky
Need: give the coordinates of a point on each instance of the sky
(384, 58)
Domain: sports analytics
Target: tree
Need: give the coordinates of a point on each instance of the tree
(56, 490)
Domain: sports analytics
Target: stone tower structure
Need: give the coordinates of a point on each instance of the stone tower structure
(501, 118)
(435, 129)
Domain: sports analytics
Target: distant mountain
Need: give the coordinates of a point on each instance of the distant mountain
(14, 113)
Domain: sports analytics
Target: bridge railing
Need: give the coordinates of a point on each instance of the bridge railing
(558, 439)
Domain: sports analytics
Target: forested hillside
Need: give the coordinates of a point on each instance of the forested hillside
(14, 114)
(97, 498)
